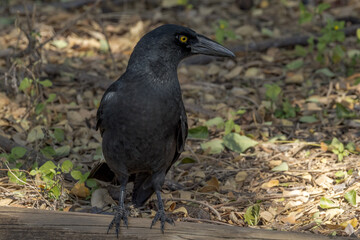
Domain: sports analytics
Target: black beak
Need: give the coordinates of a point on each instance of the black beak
(209, 47)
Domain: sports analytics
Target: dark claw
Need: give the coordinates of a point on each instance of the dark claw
(163, 218)
(120, 214)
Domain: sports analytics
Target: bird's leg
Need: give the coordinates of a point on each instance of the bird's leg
(160, 214)
(121, 213)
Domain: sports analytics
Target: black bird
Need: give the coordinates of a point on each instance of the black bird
(142, 118)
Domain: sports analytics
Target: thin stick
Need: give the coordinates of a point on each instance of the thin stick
(205, 220)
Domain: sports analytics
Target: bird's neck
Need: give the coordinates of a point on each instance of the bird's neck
(156, 70)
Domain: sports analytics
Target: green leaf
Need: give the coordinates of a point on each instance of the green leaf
(33, 172)
(343, 112)
(220, 35)
(59, 134)
(267, 32)
(18, 152)
(51, 97)
(217, 121)
(84, 177)
(76, 174)
(229, 126)
(326, 72)
(283, 167)
(59, 43)
(322, 7)
(104, 46)
(358, 33)
(327, 203)
(186, 160)
(308, 119)
(296, 64)
(335, 143)
(200, 132)
(39, 108)
(216, 146)
(55, 190)
(340, 174)
(17, 176)
(25, 84)
(48, 151)
(91, 183)
(300, 51)
(47, 167)
(252, 215)
(6, 20)
(35, 134)
(66, 166)
(351, 197)
(305, 15)
(238, 143)
(46, 83)
(62, 151)
(351, 147)
(272, 91)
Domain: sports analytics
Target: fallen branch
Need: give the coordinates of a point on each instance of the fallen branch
(264, 45)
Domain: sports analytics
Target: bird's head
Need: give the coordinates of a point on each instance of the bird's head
(172, 43)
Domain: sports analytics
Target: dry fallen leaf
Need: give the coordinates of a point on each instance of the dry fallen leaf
(211, 185)
(353, 222)
(181, 210)
(241, 176)
(267, 216)
(234, 218)
(270, 184)
(80, 190)
(291, 218)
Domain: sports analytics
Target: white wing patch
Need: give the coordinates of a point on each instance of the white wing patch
(108, 96)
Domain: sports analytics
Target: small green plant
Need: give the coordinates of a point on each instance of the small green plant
(252, 215)
(229, 134)
(343, 112)
(15, 154)
(185, 3)
(329, 44)
(51, 177)
(281, 108)
(223, 31)
(308, 16)
(339, 149)
(34, 89)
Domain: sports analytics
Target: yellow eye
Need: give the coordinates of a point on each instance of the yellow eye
(183, 39)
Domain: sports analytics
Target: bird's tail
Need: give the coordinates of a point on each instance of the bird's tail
(142, 189)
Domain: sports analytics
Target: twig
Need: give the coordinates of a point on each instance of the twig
(108, 43)
(205, 220)
(271, 43)
(198, 202)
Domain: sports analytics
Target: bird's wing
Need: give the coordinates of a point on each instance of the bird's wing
(183, 130)
(105, 100)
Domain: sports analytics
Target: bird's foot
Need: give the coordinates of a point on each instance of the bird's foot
(120, 214)
(160, 215)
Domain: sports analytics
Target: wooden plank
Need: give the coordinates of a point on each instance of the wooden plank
(22, 223)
